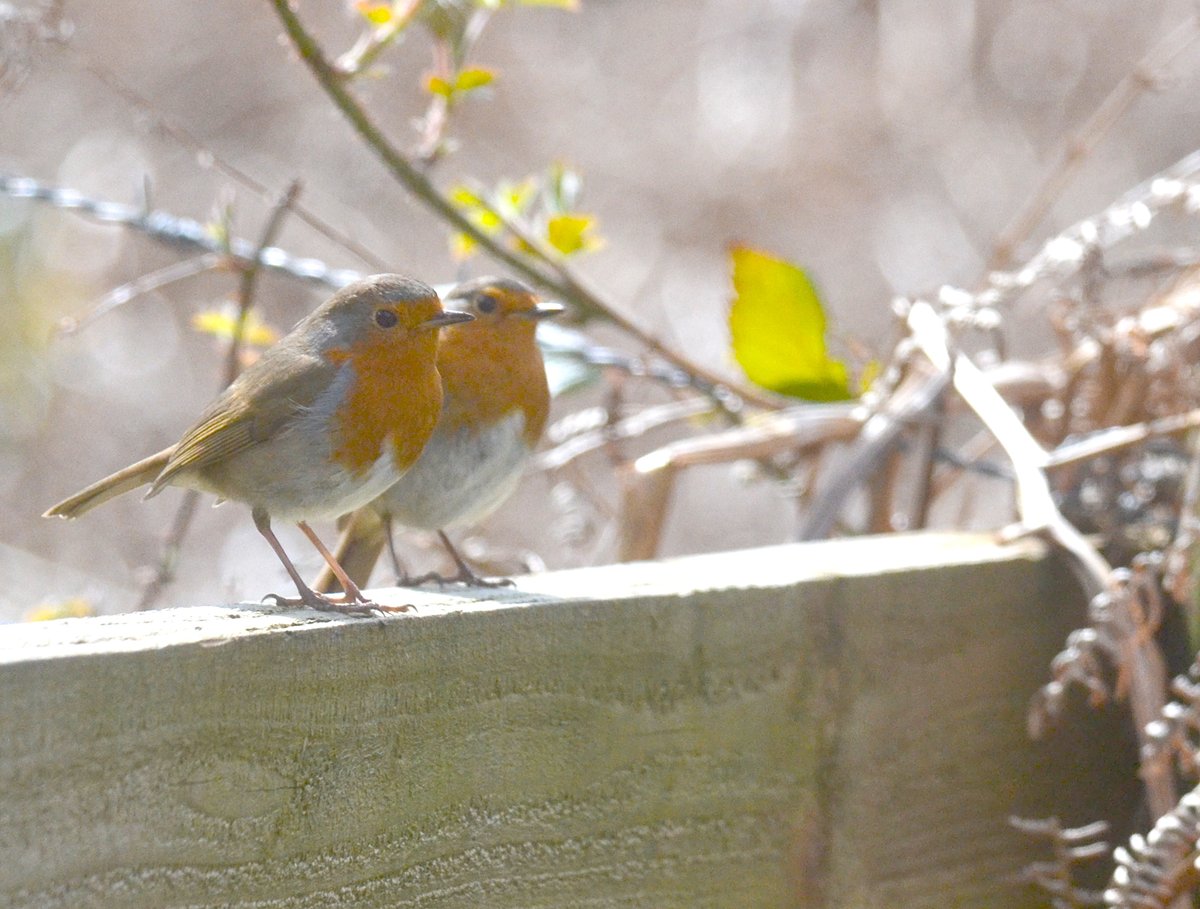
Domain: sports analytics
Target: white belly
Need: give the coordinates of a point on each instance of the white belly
(461, 476)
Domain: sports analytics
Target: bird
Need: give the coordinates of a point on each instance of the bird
(494, 410)
(328, 418)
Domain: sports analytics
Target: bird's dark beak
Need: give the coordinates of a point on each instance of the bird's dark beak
(544, 310)
(448, 317)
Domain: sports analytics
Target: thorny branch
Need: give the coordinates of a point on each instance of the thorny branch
(183, 234)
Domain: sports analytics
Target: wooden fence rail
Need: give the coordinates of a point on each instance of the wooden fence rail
(833, 724)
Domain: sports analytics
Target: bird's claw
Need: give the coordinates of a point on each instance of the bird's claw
(358, 606)
(466, 578)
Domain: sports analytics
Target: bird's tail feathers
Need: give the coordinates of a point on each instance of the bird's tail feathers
(131, 477)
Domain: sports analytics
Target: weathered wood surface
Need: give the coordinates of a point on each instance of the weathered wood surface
(834, 724)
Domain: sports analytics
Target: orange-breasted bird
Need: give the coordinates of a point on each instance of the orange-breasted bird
(493, 413)
(326, 420)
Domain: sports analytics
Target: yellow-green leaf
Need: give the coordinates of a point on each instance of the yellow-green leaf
(223, 324)
(559, 4)
(436, 85)
(777, 326)
(375, 13)
(472, 78)
(571, 233)
(465, 197)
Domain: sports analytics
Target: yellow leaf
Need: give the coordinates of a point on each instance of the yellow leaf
(571, 233)
(223, 324)
(473, 78)
(465, 197)
(777, 326)
(374, 12)
(71, 608)
(436, 85)
(462, 246)
(571, 5)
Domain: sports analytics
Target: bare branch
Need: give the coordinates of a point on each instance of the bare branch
(1079, 147)
(144, 284)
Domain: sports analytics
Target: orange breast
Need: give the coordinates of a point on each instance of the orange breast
(489, 374)
(396, 392)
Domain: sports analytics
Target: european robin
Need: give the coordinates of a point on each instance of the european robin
(493, 413)
(326, 420)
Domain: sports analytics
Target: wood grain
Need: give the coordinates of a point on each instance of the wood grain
(834, 724)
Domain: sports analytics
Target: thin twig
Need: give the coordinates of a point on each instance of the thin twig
(250, 279)
(633, 426)
(1078, 147)
(144, 284)
(168, 558)
(548, 272)
(164, 572)
(449, 57)
(375, 41)
(204, 154)
(437, 114)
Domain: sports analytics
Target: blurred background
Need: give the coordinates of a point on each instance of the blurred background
(881, 144)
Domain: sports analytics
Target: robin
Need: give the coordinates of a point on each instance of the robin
(326, 420)
(494, 410)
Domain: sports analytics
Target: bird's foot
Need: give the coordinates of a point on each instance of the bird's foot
(466, 577)
(357, 605)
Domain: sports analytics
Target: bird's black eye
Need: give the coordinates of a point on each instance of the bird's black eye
(385, 318)
(486, 303)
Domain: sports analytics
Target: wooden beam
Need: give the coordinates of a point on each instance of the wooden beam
(831, 724)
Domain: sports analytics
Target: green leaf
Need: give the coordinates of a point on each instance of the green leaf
(571, 233)
(777, 326)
